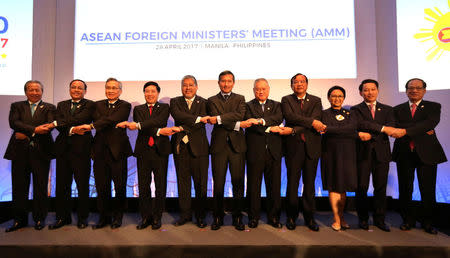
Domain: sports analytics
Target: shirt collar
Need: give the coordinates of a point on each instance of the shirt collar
(37, 103)
(417, 103)
(192, 99)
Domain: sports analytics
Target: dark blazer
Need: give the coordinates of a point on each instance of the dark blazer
(384, 116)
(106, 132)
(230, 112)
(426, 118)
(65, 120)
(149, 127)
(20, 120)
(186, 118)
(301, 121)
(256, 137)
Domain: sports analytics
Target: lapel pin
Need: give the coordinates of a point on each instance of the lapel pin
(198, 101)
(379, 109)
(340, 117)
(41, 106)
(268, 108)
(421, 106)
(113, 106)
(307, 99)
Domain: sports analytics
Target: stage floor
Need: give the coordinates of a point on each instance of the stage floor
(190, 241)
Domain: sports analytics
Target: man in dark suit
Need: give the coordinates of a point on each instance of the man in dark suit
(152, 151)
(30, 150)
(228, 148)
(73, 157)
(191, 150)
(110, 151)
(302, 112)
(373, 153)
(417, 148)
(264, 151)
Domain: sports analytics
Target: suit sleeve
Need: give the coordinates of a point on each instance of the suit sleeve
(158, 120)
(17, 124)
(229, 119)
(113, 119)
(185, 119)
(296, 119)
(429, 123)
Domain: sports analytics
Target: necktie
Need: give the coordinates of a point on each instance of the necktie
(151, 141)
(302, 136)
(226, 97)
(189, 103)
(74, 107)
(262, 106)
(413, 111)
(33, 108)
(110, 105)
(372, 110)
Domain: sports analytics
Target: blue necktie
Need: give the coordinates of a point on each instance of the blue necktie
(33, 108)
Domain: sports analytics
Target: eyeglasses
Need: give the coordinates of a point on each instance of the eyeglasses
(415, 88)
(112, 88)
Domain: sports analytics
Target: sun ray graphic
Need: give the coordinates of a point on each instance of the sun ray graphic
(440, 33)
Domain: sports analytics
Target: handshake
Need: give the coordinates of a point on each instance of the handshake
(399, 132)
(41, 129)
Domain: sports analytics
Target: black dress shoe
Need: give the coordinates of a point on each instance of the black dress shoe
(430, 230)
(17, 225)
(275, 223)
(182, 221)
(60, 223)
(382, 226)
(312, 225)
(253, 223)
(405, 226)
(201, 223)
(143, 224)
(156, 224)
(238, 224)
(364, 224)
(39, 225)
(290, 224)
(217, 223)
(102, 222)
(82, 223)
(116, 223)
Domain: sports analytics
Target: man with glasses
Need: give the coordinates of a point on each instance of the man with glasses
(417, 148)
(110, 151)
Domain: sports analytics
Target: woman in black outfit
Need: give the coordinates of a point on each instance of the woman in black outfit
(338, 162)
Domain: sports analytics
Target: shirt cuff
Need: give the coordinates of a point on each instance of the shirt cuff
(55, 123)
(219, 120)
(197, 120)
(237, 126)
(382, 128)
(263, 122)
(70, 131)
(138, 126)
(157, 132)
(268, 129)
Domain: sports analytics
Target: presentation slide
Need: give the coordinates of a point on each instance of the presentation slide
(16, 38)
(423, 41)
(165, 40)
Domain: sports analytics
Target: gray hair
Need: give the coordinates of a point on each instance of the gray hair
(189, 77)
(33, 81)
(260, 79)
(111, 79)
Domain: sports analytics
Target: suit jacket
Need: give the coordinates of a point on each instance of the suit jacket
(230, 112)
(106, 134)
(65, 120)
(301, 121)
(20, 120)
(186, 118)
(149, 127)
(256, 137)
(384, 116)
(426, 118)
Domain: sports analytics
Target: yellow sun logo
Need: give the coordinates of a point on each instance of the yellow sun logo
(440, 32)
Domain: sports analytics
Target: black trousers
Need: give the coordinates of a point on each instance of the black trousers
(426, 176)
(107, 169)
(220, 163)
(187, 166)
(71, 166)
(379, 171)
(21, 170)
(271, 169)
(150, 162)
(300, 165)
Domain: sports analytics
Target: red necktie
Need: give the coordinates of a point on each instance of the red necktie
(372, 110)
(413, 111)
(151, 141)
(302, 135)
